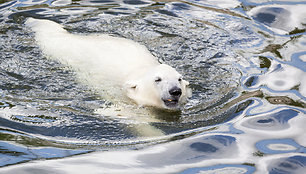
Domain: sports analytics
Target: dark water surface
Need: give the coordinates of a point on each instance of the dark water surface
(245, 60)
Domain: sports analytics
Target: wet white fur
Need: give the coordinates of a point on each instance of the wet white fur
(118, 68)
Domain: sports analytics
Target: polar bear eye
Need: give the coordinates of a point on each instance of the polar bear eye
(158, 79)
(180, 79)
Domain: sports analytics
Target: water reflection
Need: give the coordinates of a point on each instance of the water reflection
(282, 77)
(253, 149)
(14, 154)
(275, 121)
(294, 164)
(245, 169)
(281, 19)
(196, 150)
(279, 146)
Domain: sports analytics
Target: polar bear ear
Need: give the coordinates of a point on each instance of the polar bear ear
(186, 83)
(131, 90)
(130, 86)
(187, 88)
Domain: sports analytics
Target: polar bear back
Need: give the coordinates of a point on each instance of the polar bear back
(101, 56)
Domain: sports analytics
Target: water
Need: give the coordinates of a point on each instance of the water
(245, 61)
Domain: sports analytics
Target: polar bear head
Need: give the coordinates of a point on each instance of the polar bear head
(161, 86)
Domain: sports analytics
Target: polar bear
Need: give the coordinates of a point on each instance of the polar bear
(121, 70)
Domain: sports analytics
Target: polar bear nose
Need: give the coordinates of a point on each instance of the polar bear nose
(176, 92)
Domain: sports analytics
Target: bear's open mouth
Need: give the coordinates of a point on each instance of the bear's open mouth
(171, 102)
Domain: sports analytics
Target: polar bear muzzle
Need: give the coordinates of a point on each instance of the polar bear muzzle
(174, 96)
